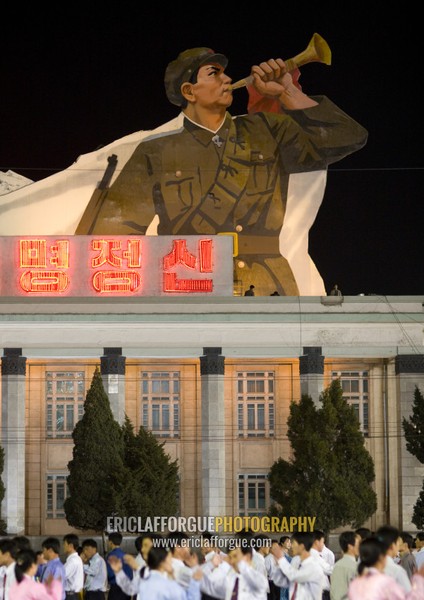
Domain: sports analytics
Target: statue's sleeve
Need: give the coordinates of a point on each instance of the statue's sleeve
(313, 138)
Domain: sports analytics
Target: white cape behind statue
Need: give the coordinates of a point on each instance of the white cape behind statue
(55, 205)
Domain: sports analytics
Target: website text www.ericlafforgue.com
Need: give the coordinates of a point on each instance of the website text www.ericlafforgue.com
(223, 543)
(213, 525)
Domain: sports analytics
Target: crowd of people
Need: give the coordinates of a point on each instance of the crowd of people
(382, 565)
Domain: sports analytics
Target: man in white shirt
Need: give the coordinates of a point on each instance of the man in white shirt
(178, 543)
(209, 545)
(260, 549)
(277, 593)
(8, 552)
(234, 577)
(95, 571)
(303, 575)
(327, 568)
(419, 543)
(74, 567)
(346, 568)
(390, 536)
(328, 555)
(139, 558)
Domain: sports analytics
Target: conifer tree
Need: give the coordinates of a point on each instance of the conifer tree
(330, 473)
(413, 428)
(97, 474)
(153, 483)
(418, 512)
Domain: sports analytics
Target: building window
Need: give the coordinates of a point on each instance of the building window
(255, 404)
(253, 495)
(355, 386)
(57, 492)
(65, 394)
(160, 402)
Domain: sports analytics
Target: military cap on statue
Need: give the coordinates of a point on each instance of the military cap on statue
(182, 69)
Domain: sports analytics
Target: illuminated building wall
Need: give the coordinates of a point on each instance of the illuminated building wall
(241, 360)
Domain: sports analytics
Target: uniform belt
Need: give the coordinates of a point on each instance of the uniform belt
(258, 244)
(253, 244)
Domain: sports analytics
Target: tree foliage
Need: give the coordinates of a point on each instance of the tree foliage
(413, 427)
(153, 483)
(330, 473)
(418, 512)
(97, 473)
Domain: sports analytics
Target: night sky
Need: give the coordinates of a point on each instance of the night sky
(80, 78)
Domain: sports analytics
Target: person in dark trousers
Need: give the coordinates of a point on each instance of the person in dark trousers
(74, 567)
(95, 570)
(114, 543)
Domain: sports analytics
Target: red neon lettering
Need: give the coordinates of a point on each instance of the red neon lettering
(32, 253)
(44, 281)
(179, 255)
(60, 252)
(108, 251)
(116, 281)
(172, 284)
(205, 254)
(133, 254)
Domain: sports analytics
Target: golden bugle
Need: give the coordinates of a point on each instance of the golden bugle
(316, 51)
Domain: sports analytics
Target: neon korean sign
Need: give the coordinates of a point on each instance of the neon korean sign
(108, 266)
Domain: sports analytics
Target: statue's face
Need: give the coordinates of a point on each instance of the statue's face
(212, 87)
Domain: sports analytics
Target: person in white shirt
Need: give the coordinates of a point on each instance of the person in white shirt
(419, 554)
(95, 571)
(139, 558)
(178, 543)
(270, 565)
(328, 555)
(261, 548)
(246, 539)
(8, 553)
(234, 577)
(346, 568)
(159, 584)
(327, 568)
(2, 574)
(209, 545)
(74, 567)
(276, 593)
(303, 575)
(390, 537)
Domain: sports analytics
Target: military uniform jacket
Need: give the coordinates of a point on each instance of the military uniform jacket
(232, 180)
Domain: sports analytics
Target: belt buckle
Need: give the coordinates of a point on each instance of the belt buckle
(234, 235)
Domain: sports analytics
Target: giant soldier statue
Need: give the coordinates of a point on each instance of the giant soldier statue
(220, 174)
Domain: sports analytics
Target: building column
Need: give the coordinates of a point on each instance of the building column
(409, 369)
(311, 369)
(213, 432)
(13, 367)
(112, 368)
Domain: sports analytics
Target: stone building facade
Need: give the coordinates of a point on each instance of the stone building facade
(214, 379)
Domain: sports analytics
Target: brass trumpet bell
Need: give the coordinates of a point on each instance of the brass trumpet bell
(316, 51)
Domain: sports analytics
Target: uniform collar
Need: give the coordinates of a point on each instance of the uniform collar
(203, 135)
